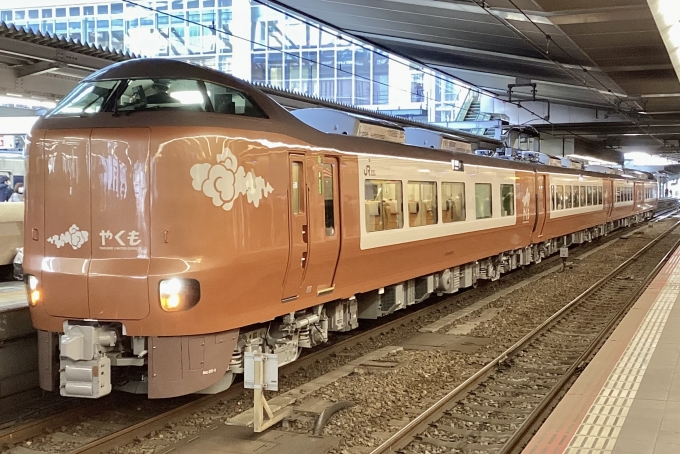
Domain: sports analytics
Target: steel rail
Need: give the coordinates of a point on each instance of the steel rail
(545, 406)
(405, 435)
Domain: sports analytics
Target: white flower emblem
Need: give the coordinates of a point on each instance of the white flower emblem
(525, 202)
(73, 236)
(225, 181)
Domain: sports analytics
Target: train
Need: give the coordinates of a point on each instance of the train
(13, 166)
(178, 218)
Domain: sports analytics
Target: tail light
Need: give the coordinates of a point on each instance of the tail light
(179, 294)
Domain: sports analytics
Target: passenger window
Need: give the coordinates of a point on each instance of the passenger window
(559, 199)
(552, 197)
(589, 195)
(328, 199)
(296, 191)
(507, 200)
(230, 101)
(422, 203)
(583, 195)
(383, 205)
(453, 202)
(576, 198)
(483, 200)
(567, 196)
(599, 195)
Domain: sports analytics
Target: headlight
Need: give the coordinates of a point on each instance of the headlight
(178, 294)
(33, 289)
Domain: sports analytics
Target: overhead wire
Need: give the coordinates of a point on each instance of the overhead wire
(273, 4)
(482, 4)
(357, 43)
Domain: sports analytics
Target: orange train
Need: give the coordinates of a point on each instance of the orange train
(178, 218)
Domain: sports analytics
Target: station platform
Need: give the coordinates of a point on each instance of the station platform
(628, 398)
(12, 296)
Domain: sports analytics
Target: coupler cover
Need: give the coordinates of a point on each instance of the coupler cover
(84, 368)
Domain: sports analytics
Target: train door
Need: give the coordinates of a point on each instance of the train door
(298, 241)
(609, 197)
(324, 225)
(541, 204)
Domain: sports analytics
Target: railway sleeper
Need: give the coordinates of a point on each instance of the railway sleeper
(502, 410)
(92, 357)
(495, 398)
(459, 445)
(471, 432)
(481, 419)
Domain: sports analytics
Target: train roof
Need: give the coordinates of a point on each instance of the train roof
(279, 119)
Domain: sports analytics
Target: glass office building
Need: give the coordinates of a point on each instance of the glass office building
(255, 42)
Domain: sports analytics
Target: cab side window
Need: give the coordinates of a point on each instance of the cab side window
(230, 101)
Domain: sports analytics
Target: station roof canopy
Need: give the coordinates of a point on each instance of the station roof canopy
(607, 54)
(30, 53)
(41, 64)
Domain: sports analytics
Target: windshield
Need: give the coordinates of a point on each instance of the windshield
(87, 98)
(126, 96)
(145, 94)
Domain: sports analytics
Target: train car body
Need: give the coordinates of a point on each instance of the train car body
(169, 232)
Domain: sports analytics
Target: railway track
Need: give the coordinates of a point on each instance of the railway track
(498, 409)
(147, 416)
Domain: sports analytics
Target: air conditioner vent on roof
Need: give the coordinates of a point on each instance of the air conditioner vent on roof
(336, 122)
(433, 139)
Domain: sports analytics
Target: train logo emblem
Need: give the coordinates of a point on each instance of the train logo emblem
(368, 172)
(73, 236)
(225, 181)
(525, 205)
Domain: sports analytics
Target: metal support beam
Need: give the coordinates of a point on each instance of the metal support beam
(36, 68)
(45, 53)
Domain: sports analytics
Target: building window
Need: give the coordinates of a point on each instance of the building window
(74, 11)
(33, 13)
(380, 78)
(483, 200)
(61, 12)
(117, 8)
(6, 16)
(507, 200)
(47, 13)
(102, 9)
(422, 203)
(417, 92)
(383, 205)
(88, 10)
(453, 202)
